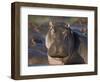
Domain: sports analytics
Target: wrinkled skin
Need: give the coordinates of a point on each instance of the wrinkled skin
(65, 46)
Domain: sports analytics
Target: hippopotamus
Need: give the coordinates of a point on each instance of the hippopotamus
(65, 46)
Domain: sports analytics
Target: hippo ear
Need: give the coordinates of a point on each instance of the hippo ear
(67, 25)
(50, 24)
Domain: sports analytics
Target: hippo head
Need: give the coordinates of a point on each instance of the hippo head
(59, 40)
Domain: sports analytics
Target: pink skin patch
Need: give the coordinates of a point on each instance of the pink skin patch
(55, 61)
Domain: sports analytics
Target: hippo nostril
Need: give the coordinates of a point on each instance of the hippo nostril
(61, 50)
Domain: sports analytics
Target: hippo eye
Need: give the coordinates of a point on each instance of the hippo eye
(64, 31)
(52, 31)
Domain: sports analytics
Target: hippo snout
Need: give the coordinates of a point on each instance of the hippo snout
(57, 52)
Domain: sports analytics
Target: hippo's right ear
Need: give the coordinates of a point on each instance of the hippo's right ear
(50, 24)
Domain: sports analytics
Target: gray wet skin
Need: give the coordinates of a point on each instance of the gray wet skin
(64, 45)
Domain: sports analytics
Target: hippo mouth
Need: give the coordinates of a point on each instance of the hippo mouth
(58, 56)
(56, 60)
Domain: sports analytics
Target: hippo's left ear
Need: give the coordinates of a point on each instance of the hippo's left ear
(67, 25)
